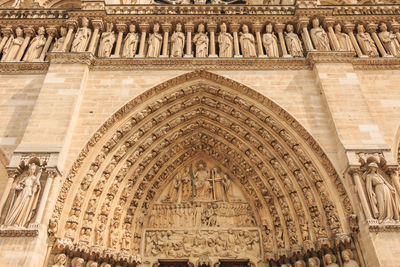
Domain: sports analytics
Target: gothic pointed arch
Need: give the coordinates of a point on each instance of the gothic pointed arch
(124, 197)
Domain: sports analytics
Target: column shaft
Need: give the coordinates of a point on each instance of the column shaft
(6, 193)
(43, 200)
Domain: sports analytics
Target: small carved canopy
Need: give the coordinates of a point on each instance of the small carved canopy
(286, 177)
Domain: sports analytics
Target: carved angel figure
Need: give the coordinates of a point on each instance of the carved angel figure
(366, 43)
(382, 196)
(107, 41)
(177, 42)
(270, 42)
(60, 260)
(155, 41)
(201, 42)
(13, 45)
(247, 43)
(389, 41)
(293, 42)
(24, 198)
(343, 39)
(319, 36)
(347, 256)
(36, 46)
(58, 44)
(130, 42)
(225, 41)
(82, 37)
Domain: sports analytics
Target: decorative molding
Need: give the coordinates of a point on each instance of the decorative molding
(70, 58)
(314, 57)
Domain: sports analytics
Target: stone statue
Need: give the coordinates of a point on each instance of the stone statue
(293, 42)
(36, 46)
(314, 262)
(25, 198)
(155, 41)
(247, 42)
(60, 260)
(347, 256)
(382, 196)
(177, 42)
(92, 264)
(13, 45)
(270, 42)
(319, 36)
(202, 184)
(58, 44)
(186, 185)
(343, 39)
(300, 263)
(366, 43)
(107, 41)
(225, 41)
(227, 183)
(218, 191)
(201, 42)
(130, 42)
(77, 262)
(82, 37)
(389, 41)
(174, 190)
(330, 260)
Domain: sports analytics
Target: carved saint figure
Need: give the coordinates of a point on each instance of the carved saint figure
(201, 42)
(293, 42)
(177, 42)
(35, 47)
(202, 184)
(82, 37)
(155, 41)
(174, 190)
(219, 193)
(347, 256)
(343, 39)
(314, 262)
(319, 36)
(24, 198)
(13, 45)
(130, 42)
(300, 263)
(107, 41)
(60, 260)
(330, 260)
(186, 185)
(225, 41)
(58, 44)
(366, 43)
(382, 196)
(270, 42)
(227, 183)
(389, 41)
(247, 42)
(77, 262)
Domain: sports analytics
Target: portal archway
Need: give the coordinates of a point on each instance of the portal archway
(288, 200)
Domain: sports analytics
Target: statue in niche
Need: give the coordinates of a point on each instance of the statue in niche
(36, 46)
(186, 185)
(77, 262)
(107, 41)
(348, 261)
(343, 39)
(225, 41)
(293, 42)
(201, 182)
(130, 42)
(174, 190)
(382, 196)
(25, 197)
(177, 41)
(270, 42)
(227, 183)
(389, 41)
(58, 44)
(366, 43)
(330, 260)
(155, 41)
(314, 262)
(82, 37)
(12, 46)
(201, 42)
(247, 42)
(319, 37)
(60, 260)
(217, 179)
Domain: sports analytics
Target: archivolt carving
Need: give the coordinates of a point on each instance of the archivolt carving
(297, 198)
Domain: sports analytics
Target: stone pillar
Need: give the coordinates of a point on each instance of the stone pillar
(234, 29)
(360, 190)
(121, 28)
(212, 27)
(51, 32)
(166, 27)
(257, 30)
(29, 32)
(349, 29)
(6, 34)
(6, 192)
(45, 196)
(371, 28)
(144, 27)
(71, 25)
(189, 28)
(395, 27)
(329, 22)
(279, 29)
(97, 25)
(302, 27)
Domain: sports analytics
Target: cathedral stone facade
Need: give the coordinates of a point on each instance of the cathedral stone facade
(194, 133)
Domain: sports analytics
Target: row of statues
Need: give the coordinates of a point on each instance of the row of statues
(273, 43)
(327, 260)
